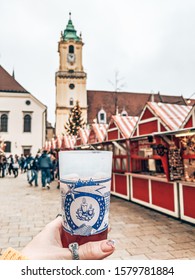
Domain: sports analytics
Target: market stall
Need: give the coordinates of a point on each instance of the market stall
(187, 182)
(97, 133)
(162, 173)
(156, 157)
(117, 140)
(150, 183)
(160, 117)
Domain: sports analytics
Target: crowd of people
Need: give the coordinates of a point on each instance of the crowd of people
(44, 163)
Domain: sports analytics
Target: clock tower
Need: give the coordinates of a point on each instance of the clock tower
(70, 79)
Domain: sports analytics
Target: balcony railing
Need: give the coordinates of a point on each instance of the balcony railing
(67, 74)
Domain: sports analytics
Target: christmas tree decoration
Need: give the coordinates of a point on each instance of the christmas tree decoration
(75, 120)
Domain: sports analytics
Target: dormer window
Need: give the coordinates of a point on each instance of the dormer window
(101, 116)
(124, 113)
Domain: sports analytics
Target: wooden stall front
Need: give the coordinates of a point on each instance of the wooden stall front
(149, 175)
(162, 173)
(187, 183)
(117, 141)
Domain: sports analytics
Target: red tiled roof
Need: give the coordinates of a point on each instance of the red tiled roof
(8, 83)
(132, 102)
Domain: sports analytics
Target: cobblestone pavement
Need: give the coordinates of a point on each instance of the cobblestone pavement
(140, 233)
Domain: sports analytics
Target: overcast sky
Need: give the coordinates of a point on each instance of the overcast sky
(151, 43)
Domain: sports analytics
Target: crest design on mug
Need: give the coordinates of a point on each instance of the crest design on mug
(85, 206)
(85, 212)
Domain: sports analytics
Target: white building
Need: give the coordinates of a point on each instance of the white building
(22, 117)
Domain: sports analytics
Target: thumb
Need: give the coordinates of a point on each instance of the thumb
(96, 250)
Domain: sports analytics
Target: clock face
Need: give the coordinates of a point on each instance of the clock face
(71, 57)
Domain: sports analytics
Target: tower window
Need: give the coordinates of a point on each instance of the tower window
(71, 101)
(27, 123)
(71, 49)
(3, 123)
(71, 86)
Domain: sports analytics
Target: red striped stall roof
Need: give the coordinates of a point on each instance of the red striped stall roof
(84, 135)
(68, 141)
(172, 115)
(58, 142)
(126, 124)
(100, 131)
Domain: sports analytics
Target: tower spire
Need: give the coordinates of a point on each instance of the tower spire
(70, 32)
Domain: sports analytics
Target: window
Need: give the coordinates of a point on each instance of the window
(4, 123)
(124, 113)
(27, 123)
(71, 49)
(71, 86)
(26, 150)
(101, 116)
(28, 102)
(71, 101)
(7, 147)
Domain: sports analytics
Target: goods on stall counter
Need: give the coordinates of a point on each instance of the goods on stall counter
(176, 167)
(161, 150)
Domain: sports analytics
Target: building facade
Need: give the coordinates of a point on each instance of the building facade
(70, 78)
(22, 117)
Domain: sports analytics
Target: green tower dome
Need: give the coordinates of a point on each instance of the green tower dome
(70, 32)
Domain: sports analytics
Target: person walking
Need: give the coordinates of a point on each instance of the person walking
(22, 162)
(10, 161)
(16, 166)
(34, 171)
(3, 166)
(27, 166)
(54, 165)
(45, 165)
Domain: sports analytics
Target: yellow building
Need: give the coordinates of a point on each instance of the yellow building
(70, 78)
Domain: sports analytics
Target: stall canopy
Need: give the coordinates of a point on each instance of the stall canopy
(68, 141)
(159, 117)
(97, 133)
(82, 137)
(63, 142)
(121, 127)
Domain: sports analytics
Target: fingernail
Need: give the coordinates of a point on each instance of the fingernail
(108, 245)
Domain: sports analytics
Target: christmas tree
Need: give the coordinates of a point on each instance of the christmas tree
(75, 120)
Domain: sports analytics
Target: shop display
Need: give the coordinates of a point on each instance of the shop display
(176, 167)
(188, 149)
